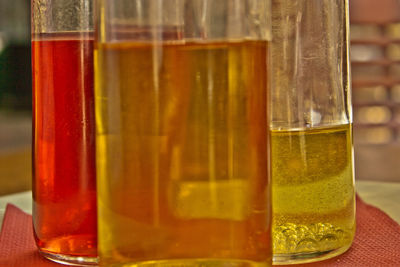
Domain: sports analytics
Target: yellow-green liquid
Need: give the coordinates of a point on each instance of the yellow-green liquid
(182, 154)
(313, 190)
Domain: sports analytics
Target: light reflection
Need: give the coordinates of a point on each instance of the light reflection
(370, 94)
(373, 115)
(365, 31)
(395, 93)
(393, 51)
(374, 135)
(366, 52)
(392, 30)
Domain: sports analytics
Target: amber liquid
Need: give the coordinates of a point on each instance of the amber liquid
(313, 191)
(64, 185)
(182, 153)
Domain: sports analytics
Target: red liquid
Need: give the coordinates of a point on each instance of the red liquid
(64, 186)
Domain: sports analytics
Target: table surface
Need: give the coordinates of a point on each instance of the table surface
(385, 196)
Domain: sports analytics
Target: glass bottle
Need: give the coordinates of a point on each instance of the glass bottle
(64, 181)
(311, 131)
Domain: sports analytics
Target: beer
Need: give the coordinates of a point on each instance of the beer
(182, 153)
(313, 195)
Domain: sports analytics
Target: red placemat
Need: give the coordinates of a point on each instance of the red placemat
(17, 245)
(377, 241)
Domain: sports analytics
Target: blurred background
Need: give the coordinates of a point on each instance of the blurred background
(375, 56)
(15, 96)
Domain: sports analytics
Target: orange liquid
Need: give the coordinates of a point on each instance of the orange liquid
(182, 153)
(64, 185)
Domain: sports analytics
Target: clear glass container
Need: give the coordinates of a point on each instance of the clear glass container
(64, 181)
(182, 132)
(311, 131)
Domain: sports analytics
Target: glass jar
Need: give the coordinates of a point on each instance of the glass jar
(182, 132)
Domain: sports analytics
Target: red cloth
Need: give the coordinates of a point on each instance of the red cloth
(376, 244)
(17, 245)
(377, 241)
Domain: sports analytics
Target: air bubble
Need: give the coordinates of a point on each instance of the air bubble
(307, 245)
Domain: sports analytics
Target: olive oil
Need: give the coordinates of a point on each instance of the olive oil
(182, 153)
(313, 191)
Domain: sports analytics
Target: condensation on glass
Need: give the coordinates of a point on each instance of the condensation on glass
(311, 131)
(182, 132)
(64, 182)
